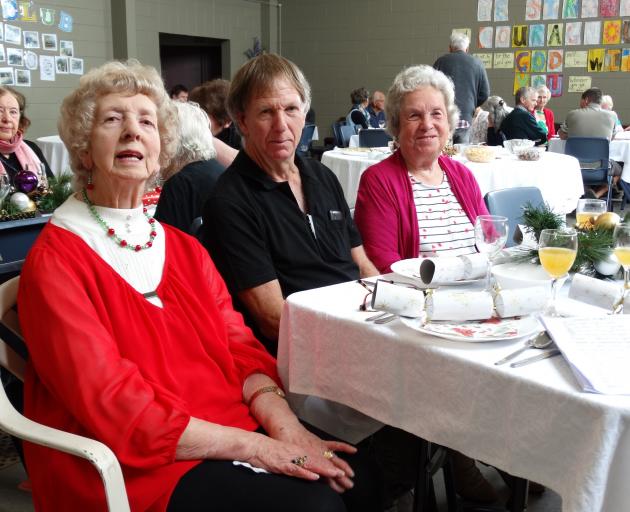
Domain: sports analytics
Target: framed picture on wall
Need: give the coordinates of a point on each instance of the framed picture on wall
(31, 39)
(12, 34)
(76, 66)
(49, 42)
(6, 76)
(15, 57)
(66, 48)
(23, 77)
(61, 65)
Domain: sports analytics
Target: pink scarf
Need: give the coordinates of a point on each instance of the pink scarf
(25, 155)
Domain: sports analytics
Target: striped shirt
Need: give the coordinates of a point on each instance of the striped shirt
(443, 225)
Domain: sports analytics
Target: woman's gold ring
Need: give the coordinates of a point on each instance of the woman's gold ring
(329, 454)
(300, 461)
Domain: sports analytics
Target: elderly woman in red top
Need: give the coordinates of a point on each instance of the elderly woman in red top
(133, 339)
(418, 202)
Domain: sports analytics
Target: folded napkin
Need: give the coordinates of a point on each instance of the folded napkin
(521, 301)
(397, 299)
(448, 269)
(458, 305)
(596, 292)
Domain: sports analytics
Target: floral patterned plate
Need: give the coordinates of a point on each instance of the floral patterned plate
(494, 329)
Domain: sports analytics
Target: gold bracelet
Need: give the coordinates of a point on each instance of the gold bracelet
(265, 389)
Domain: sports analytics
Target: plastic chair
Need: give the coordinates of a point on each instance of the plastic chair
(593, 154)
(374, 138)
(305, 140)
(12, 422)
(336, 128)
(346, 133)
(509, 202)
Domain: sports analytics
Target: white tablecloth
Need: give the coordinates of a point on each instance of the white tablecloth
(56, 153)
(619, 151)
(557, 176)
(533, 421)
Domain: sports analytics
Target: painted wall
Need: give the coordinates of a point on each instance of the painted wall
(342, 45)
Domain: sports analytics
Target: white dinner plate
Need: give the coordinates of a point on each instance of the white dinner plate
(410, 268)
(495, 329)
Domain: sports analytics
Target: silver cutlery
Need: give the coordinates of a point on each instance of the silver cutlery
(540, 340)
(376, 317)
(549, 353)
(386, 319)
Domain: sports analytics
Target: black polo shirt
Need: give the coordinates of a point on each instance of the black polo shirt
(256, 232)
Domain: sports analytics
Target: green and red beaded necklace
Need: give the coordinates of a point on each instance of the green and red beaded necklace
(111, 233)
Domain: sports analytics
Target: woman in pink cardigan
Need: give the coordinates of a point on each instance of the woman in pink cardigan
(418, 202)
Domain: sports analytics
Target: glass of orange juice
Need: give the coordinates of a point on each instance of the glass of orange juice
(588, 210)
(621, 237)
(557, 249)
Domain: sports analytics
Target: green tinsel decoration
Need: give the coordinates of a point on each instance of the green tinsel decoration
(59, 188)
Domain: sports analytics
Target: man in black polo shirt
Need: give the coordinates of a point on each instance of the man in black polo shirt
(277, 223)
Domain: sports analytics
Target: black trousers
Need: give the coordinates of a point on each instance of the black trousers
(220, 486)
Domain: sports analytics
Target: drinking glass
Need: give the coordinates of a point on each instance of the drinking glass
(381, 123)
(588, 210)
(5, 187)
(621, 237)
(557, 249)
(490, 237)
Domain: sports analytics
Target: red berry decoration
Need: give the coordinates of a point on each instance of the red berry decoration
(123, 243)
(111, 232)
(137, 248)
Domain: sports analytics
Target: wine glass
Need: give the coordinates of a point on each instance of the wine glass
(557, 249)
(490, 237)
(588, 210)
(621, 237)
(5, 187)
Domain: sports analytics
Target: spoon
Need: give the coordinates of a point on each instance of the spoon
(540, 340)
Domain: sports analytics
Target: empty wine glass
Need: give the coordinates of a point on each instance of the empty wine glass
(5, 187)
(588, 210)
(490, 237)
(557, 249)
(621, 237)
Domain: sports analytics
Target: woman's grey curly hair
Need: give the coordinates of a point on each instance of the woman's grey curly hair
(412, 79)
(78, 109)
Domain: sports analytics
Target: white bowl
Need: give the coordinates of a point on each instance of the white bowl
(520, 275)
(513, 144)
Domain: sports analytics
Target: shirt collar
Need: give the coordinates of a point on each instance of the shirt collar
(249, 169)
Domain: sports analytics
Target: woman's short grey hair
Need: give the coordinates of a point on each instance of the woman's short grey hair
(459, 41)
(195, 138)
(497, 110)
(78, 109)
(607, 102)
(412, 79)
(543, 88)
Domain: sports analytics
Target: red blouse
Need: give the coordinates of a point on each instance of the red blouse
(107, 364)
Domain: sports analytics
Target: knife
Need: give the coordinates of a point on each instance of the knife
(539, 357)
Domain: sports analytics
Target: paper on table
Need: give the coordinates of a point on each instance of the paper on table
(449, 269)
(459, 306)
(597, 350)
(397, 299)
(596, 292)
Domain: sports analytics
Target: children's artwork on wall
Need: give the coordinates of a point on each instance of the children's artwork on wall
(504, 60)
(30, 59)
(550, 9)
(502, 36)
(61, 65)
(608, 8)
(612, 32)
(65, 22)
(519, 36)
(31, 39)
(23, 77)
(595, 62)
(500, 10)
(10, 10)
(76, 66)
(533, 10)
(539, 61)
(47, 16)
(522, 61)
(12, 34)
(537, 35)
(486, 34)
(554, 84)
(570, 9)
(573, 33)
(554, 34)
(520, 80)
(49, 42)
(47, 68)
(66, 48)
(625, 32)
(625, 60)
(484, 10)
(15, 57)
(538, 80)
(576, 59)
(590, 8)
(592, 32)
(6, 76)
(612, 60)
(624, 8)
(555, 59)
(579, 84)
(28, 13)
(485, 58)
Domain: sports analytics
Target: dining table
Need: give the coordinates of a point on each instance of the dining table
(534, 422)
(558, 176)
(56, 154)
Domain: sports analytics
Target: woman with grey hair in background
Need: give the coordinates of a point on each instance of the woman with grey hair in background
(193, 171)
(497, 112)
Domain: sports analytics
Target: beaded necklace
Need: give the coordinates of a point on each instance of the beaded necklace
(111, 233)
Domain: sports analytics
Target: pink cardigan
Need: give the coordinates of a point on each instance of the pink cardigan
(386, 214)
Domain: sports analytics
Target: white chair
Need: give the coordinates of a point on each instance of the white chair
(12, 422)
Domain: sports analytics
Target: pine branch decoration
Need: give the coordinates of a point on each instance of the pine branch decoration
(537, 218)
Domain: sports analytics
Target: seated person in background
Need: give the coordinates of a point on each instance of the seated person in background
(487, 121)
(419, 202)
(212, 97)
(179, 93)
(134, 341)
(521, 123)
(607, 104)
(544, 116)
(16, 153)
(479, 126)
(359, 117)
(192, 173)
(376, 109)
